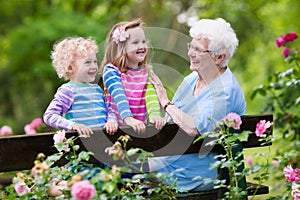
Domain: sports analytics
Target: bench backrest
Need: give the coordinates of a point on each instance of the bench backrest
(19, 152)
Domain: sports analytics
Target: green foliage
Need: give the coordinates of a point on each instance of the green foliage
(30, 78)
(29, 29)
(257, 24)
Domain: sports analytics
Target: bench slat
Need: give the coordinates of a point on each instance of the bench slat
(216, 193)
(260, 189)
(19, 152)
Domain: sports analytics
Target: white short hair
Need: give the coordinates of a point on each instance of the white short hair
(222, 37)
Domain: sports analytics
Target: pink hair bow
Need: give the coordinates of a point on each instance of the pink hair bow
(120, 34)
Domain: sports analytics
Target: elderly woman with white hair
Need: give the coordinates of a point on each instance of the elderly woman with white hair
(204, 97)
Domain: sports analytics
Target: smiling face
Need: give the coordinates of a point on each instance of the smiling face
(197, 51)
(84, 70)
(136, 47)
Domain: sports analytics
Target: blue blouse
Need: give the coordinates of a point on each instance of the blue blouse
(222, 96)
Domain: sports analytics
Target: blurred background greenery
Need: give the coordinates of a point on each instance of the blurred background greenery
(29, 28)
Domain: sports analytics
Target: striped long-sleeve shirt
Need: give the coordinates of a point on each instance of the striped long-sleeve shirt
(130, 93)
(78, 103)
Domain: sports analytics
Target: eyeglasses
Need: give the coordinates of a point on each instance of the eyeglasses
(195, 49)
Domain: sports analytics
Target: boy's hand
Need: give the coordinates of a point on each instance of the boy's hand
(82, 129)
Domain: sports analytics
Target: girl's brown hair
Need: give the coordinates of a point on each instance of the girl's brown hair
(115, 53)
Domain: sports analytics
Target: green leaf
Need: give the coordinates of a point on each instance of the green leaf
(53, 158)
(228, 163)
(60, 146)
(76, 147)
(262, 92)
(109, 186)
(200, 137)
(232, 138)
(132, 151)
(243, 137)
(216, 165)
(83, 155)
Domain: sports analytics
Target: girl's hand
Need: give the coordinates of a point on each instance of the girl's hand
(82, 129)
(159, 122)
(138, 126)
(111, 127)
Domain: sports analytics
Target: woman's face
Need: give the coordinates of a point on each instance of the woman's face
(197, 52)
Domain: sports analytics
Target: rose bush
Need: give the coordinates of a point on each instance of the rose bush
(292, 175)
(295, 191)
(35, 126)
(227, 135)
(67, 174)
(281, 92)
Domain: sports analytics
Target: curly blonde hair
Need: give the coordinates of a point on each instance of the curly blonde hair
(65, 52)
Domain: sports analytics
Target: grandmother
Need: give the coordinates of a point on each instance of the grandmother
(205, 96)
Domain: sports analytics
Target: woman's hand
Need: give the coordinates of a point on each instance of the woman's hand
(111, 127)
(159, 122)
(82, 129)
(183, 120)
(138, 126)
(160, 90)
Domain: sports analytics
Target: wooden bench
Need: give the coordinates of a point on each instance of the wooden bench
(19, 152)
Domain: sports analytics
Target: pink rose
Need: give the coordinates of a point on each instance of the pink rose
(291, 174)
(261, 127)
(296, 191)
(249, 161)
(29, 130)
(286, 51)
(290, 37)
(59, 136)
(83, 190)
(280, 41)
(6, 130)
(275, 163)
(36, 122)
(21, 188)
(233, 120)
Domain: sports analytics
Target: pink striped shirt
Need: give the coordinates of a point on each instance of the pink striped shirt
(130, 87)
